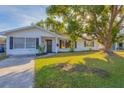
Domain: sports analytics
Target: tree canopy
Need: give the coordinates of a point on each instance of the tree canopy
(99, 22)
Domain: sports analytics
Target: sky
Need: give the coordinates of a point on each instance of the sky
(20, 15)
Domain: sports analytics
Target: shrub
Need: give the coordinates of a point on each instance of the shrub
(41, 49)
(71, 49)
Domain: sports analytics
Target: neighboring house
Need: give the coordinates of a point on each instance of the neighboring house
(26, 40)
(119, 45)
(2, 44)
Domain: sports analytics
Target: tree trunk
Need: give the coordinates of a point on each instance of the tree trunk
(108, 51)
(108, 48)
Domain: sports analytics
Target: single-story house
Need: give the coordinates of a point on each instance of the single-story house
(26, 40)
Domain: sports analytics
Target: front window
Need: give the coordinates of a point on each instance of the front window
(61, 44)
(66, 44)
(18, 42)
(120, 45)
(30, 42)
(88, 43)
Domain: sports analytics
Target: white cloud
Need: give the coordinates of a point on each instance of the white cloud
(22, 15)
(25, 19)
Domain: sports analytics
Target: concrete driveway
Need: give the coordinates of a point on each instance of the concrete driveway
(17, 72)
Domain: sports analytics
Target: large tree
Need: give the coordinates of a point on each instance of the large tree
(98, 22)
(53, 25)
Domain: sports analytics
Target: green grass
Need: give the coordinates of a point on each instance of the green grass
(48, 75)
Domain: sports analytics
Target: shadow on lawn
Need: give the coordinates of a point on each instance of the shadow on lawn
(76, 75)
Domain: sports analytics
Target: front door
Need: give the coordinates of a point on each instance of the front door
(49, 46)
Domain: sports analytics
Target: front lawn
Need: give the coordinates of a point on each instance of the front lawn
(80, 70)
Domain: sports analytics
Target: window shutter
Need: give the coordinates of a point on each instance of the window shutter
(37, 43)
(11, 42)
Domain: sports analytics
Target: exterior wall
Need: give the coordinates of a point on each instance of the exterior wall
(81, 47)
(35, 33)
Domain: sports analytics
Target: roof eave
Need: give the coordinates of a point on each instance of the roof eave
(14, 30)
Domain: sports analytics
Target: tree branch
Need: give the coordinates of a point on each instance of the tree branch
(121, 20)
